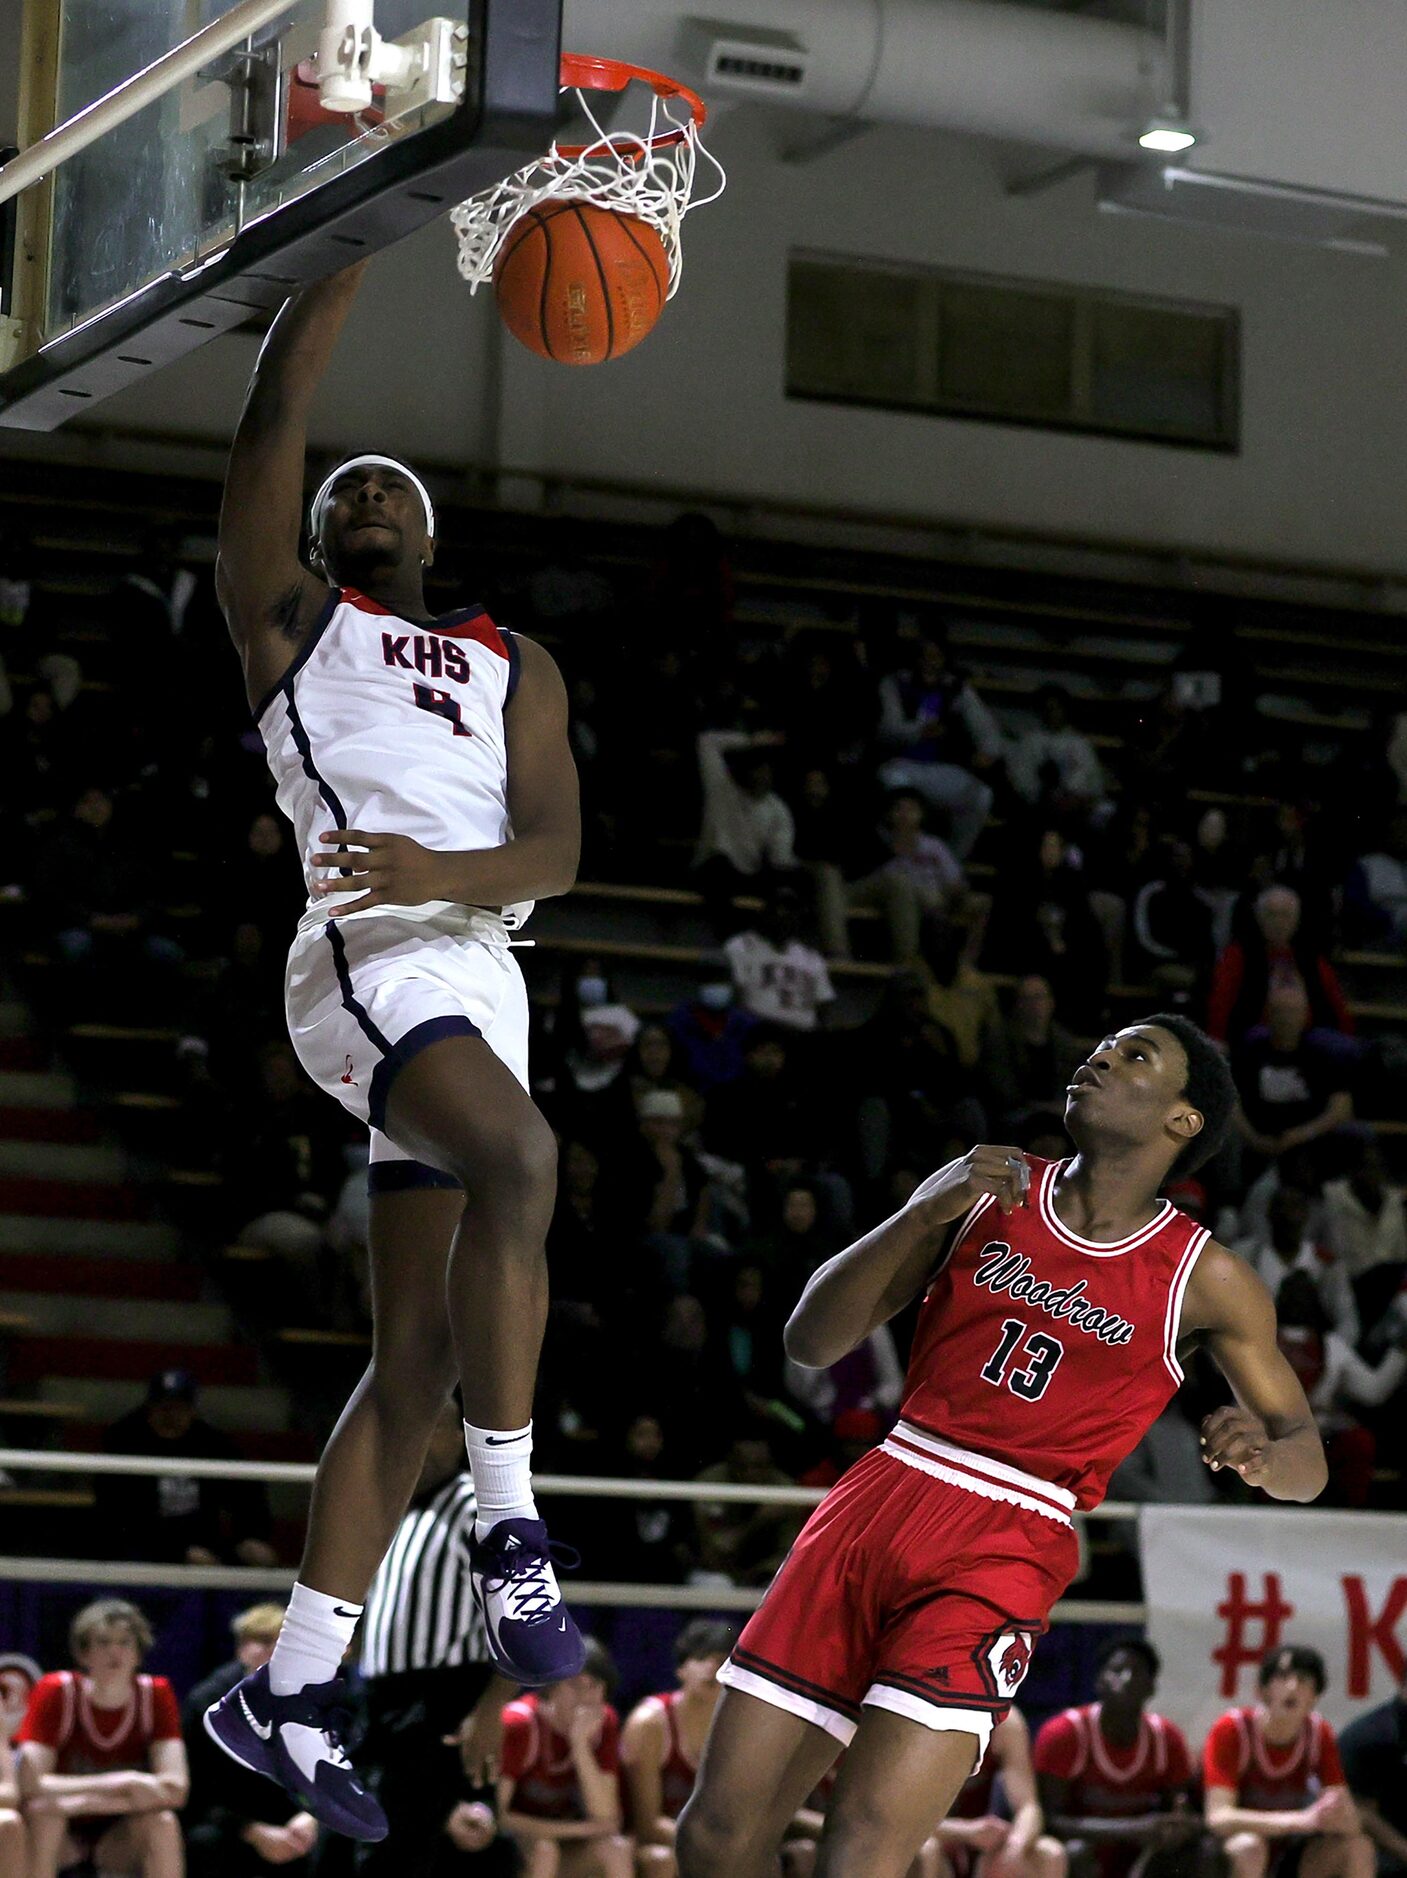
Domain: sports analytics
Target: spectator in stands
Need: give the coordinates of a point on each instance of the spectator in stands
(1338, 1382)
(1272, 1772)
(747, 840)
(1365, 1226)
(684, 1373)
(1274, 955)
(748, 1321)
(869, 1379)
(799, 1242)
(1052, 766)
(14, 1840)
(1116, 1777)
(175, 1518)
(738, 1543)
(941, 738)
(770, 1120)
(959, 996)
(910, 1078)
(1042, 922)
(672, 1193)
(102, 1763)
(559, 1776)
(663, 1742)
(1288, 1245)
(1173, 924)
(237, 1824)
(778, 977)
(1036, 1055)
(1294, 1083)
(654, 1062)
(1374, 1751)
(711, 1032)
(831, 708)
(909, 875)
(642, 1541)
(1375, 894)
(592, 1033)
(266, 885)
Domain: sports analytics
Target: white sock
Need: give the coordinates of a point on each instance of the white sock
(314, 1638)
(501, 1461)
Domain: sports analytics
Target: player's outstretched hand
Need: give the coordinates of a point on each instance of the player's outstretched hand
(1234, 1438)
(954, 1189)
(394, 871)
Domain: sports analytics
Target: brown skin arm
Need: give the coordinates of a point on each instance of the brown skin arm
(642, 1749)
(543, 803)
(268, 597)
(1270, 1439)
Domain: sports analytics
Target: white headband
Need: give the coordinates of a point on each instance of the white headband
(319, 502)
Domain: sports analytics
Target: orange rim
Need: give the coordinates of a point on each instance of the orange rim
(581, 71)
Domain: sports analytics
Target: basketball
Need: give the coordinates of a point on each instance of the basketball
(580, 284)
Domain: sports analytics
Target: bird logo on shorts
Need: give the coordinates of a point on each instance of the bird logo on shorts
(1009, 1657)
(347, 1076)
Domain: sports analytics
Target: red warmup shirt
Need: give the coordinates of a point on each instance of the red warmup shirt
(91, 1740)
(1108, 1782)
(539, 1761)
(1266, 1778)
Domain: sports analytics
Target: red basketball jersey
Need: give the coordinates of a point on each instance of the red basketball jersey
(677, 1772)
(539, 1761)
(1045, 1352)
(1108, 1782)
(91, 1740)
(1266, 1778)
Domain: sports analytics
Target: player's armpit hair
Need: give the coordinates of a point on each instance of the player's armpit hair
(283, 612)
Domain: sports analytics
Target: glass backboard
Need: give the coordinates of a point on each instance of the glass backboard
(234, 186)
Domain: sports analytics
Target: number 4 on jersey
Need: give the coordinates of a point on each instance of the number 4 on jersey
(1044, 1354)
(442, 704)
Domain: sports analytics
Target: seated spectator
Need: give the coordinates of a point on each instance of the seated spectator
(911, 1078)
(959, 996)
(1272, 957)
(594, 1028)
(770, 1120)
(655, 1061)
(1288, 1245)
(1053, 767)
(798, 1243)
(1030, 1069)
(1365, 1226)
(102, 1763)
(1337, 1380)
(831, 707)
(1375, 894)
(910, 874)
(778, 977)
(1013, 1840)
(663, 1741)
(14, 1839)
(711, 1033)
(1294, 1082)
(747, 840)
(559, 1776)
(1173, 930)
(669, 1193)
(738, 1543)
(1374, 1752)
(1116, 1778)
(684, 1372)
(940, 739)
(238, 1823)
(175, 1518)
(1042, 922)
(642, 1541)
(1272, 1772)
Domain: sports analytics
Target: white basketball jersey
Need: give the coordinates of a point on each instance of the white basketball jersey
(396, 727)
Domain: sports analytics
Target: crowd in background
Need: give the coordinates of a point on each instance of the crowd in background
(837, 793)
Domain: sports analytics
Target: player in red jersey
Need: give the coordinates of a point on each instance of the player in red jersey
(559, 1777)
(1056, 1297)
(1115, 1777)
(102, 1762)
(1275, 1788)
(663, 1740)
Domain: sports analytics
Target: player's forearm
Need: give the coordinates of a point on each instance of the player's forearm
(599, 1791)
(1225, 1820)
(844, 1300)
(524, 1826)
(531, 866)
(295, 355)
(1296, 1465)
(1025, 1828)
(79, 1786)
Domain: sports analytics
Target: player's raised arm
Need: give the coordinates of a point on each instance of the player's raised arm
(1270, 1439)
(269, 598)
(864, 1286)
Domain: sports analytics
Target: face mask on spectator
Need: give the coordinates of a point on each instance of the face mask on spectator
(716, 997)
(590, 991)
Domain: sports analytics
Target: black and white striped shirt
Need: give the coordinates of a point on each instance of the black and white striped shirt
(419, 1611)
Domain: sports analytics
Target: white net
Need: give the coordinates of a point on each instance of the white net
(651, 173)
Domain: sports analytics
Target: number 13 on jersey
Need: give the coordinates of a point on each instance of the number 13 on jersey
(1043, 1354)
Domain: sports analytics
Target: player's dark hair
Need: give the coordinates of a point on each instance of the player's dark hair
(600, 1665)
(1294, 1659)
(1135, 1646)
(704, 1636)
(1209, 1088)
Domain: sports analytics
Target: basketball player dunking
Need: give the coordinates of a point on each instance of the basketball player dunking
(1058, 1295)
(424, 764)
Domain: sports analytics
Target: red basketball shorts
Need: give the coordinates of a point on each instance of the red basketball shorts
(920, 1585)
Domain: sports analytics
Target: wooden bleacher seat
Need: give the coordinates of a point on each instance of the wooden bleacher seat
(325, 1339)
(34, 1497)
(16, 1410)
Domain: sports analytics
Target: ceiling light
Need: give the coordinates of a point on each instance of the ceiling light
(1167, 135)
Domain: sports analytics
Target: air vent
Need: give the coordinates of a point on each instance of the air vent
(743, 61)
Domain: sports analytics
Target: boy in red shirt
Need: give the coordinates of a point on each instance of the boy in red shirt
(1115, 1777)
(663, 1740)
(559, 1777)
(102, 1762)
(1275, 1789)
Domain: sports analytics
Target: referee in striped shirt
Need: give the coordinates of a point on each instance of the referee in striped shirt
(433, 1700)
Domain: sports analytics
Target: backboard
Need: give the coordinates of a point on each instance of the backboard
(232, 188)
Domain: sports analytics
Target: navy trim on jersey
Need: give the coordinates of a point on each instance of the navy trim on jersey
(797, 1685)
(404, 1176)
(304, 653)
(399, 1054)
(303, 745)
(350, 1001)
(515, 664)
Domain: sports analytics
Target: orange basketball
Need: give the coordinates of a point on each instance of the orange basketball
(580, 284)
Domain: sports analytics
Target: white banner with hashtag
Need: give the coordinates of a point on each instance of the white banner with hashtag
(1224, 1585)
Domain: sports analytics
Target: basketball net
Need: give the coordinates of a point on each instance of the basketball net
(649, 173)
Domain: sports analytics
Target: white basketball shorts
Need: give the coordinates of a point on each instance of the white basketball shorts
(365, 995)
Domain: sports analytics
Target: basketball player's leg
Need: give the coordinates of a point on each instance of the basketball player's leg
(760, 1765)
(898, 1779)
